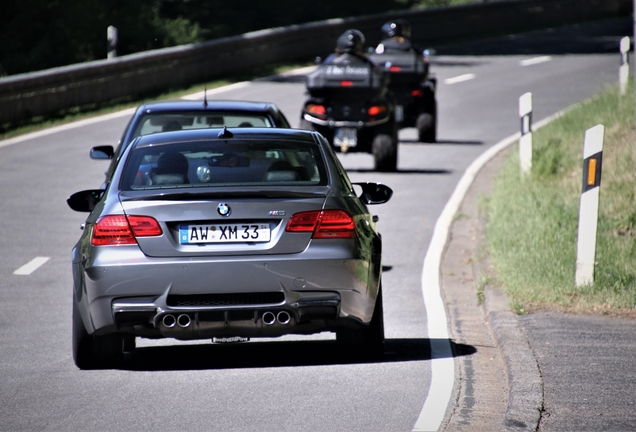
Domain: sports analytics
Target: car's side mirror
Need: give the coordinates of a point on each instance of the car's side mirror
(374, 193)
(102, 152)
(86, 200)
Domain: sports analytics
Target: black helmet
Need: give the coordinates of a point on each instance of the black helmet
(350, 41)
(398, 27)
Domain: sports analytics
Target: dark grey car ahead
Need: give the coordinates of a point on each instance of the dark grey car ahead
(229, 234)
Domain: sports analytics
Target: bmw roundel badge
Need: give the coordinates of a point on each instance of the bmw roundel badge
(224, 209)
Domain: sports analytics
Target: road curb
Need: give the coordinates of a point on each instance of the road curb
(526, 386)
(525, 397)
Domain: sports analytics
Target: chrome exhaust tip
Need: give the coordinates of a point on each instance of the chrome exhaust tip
(268, 318)
(283, 317)
(184, 320)
(169, 321)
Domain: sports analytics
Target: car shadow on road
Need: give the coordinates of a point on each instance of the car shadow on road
(441, 142)
(252, 355)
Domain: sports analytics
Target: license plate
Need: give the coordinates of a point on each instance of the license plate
(217, 233)
(345, 137)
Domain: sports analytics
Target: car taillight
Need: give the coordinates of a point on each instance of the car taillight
(324, 224)
(316, 109)
(395, 69)
(119, 230)
(144, 226)
(376, 110)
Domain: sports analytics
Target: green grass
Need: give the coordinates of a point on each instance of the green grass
(532, 221)
(78, 113)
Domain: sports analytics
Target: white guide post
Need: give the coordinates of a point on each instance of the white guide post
(588, 209)
(623, 70)
(111, 42)
(525, 142)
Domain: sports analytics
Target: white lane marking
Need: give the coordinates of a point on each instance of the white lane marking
(460, 78)
(443, 364)
(93, 120)
(234, 86)
(31, 266)
(67, 126)
(535, 60)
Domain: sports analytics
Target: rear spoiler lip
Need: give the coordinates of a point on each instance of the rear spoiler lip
(322, 192)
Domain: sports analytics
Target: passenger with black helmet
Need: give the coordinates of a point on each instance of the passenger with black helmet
(396, 36)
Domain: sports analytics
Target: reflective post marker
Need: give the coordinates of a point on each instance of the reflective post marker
(111, 46)
(588, 209)
(525, 142)
(623, 71)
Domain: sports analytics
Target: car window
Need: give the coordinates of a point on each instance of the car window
(162, 122)
(224, 163)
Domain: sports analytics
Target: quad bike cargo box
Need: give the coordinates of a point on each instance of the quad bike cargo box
(351, 81)
(407, 69)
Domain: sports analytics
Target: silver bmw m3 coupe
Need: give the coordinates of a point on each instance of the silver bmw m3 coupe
(226, 234)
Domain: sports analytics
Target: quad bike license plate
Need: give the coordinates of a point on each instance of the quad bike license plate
(345, 137)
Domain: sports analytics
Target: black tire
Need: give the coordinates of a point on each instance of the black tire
(384, 149)
(91, 352)
(369, 339)
(82, 342)
(426, 125)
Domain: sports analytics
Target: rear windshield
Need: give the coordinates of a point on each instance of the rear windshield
(163, 122)
(224, 163)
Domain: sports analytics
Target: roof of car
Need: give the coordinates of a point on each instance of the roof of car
(212, 105)
(238, 133)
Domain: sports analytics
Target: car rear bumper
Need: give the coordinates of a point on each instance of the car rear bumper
(147, 296)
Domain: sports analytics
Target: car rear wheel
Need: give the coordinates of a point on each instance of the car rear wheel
(426, 128)
(384, 150)
(89, 351)
(368, 339)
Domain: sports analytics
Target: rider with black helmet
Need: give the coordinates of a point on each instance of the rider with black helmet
(349, 48)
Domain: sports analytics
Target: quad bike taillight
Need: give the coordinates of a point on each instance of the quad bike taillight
(316, 110)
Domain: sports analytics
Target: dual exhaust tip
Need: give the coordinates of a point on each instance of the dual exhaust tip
(184, 320)
(282, 317)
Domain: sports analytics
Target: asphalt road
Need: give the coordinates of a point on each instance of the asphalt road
(286, 384)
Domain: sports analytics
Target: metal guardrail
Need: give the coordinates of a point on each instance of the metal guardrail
(45, 92)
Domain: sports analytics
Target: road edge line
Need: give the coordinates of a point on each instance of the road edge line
(435, 408)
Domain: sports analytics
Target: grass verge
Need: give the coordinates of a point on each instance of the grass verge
(532, 223)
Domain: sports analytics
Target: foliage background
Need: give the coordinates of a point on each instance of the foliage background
(40, 34)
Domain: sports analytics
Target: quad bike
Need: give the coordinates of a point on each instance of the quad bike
(350, 105)
(414, 91)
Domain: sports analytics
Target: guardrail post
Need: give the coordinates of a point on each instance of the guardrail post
(623, 70)
(588, 209)
(525, 142)
(111, 38)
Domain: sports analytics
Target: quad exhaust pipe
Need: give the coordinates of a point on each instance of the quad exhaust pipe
(184, 320)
